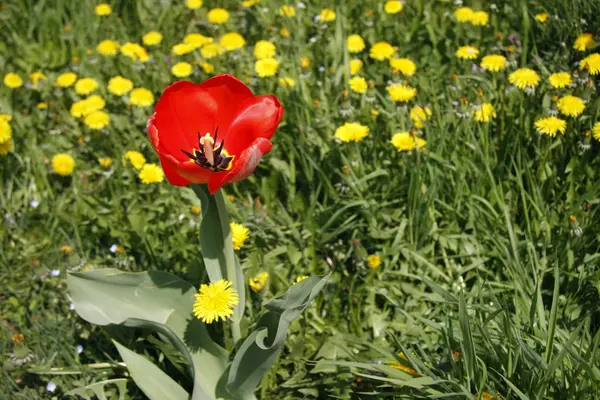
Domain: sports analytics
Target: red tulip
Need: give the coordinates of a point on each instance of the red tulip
(215, 132)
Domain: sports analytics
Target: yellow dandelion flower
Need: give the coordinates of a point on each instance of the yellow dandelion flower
(284, 32)
(195, 210)
(355, 43)
(86, 86)
(550, 126)
(207, 67)
(183, 48)
(266, 67)
(6, 147)
(18, 338)
(66, 79)
(152, 38)
(480, 18)
(196, 40)
(351, 132)
(596, 131)
(584, 42)
(232, 41)
(218, 16)
(211, 50)
(494, 62)
(524, 78)
(404, 141)
(463, 14)
(393, 6)
(5, 131)
(105, 162)
(215, 301)
(136, 159)
(559, 80)
(301, 278)
(571, 106)
(419, 114)
(400, 92)
(135, 52)
(194, 4)
(181, 69)
(373, 261)
(36, 77)
(304, 62)
(239, 235)
(591, 63)
(405, 66)
(97, 120)
(66, 249)
(141, 97)
(250, 3)
(542, 17)
(108, 48)
(327, 15)
(119, 86)
(264, 49)
(487, 396)
(151, 173)
(287, 11)
(287, 82)
(259, 282)
(467, 52)
(63, 164)
(381, 51)
(13, 80)
(358, 84)
(103, 10)
(355, 66)
(485, 112)
(42, 106)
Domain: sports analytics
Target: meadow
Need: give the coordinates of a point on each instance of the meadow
(438, 159)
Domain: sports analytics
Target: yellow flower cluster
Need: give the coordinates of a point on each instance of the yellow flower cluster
(468, 15)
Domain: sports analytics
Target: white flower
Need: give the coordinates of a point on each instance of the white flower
(51, 387)
(34, 203)
(54, 273)
(113, 248)
(79, 349)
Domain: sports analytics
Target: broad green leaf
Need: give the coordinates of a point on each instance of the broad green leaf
(257, 353)
(150, 379)
(155, 300)
(98, 388)
(217, 248)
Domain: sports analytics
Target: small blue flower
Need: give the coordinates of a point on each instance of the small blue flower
(51, 387)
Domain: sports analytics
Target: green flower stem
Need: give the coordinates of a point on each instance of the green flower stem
(217, 249)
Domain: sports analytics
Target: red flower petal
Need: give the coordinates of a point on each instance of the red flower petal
(171, 173)
(246, 124)
(185, 108)
(243, 167)
(257, 118)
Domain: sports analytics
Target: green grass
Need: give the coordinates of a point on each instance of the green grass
(479, 254)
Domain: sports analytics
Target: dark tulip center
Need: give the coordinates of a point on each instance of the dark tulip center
(215, 159)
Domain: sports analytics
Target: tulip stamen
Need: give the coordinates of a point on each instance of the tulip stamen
(215, 159)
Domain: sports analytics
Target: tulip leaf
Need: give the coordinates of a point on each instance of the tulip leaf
(258, 352)
(98, 389)
(156, 300)
(217, 247)
(150, 379)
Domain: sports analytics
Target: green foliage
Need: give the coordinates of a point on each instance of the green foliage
(486, 283)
